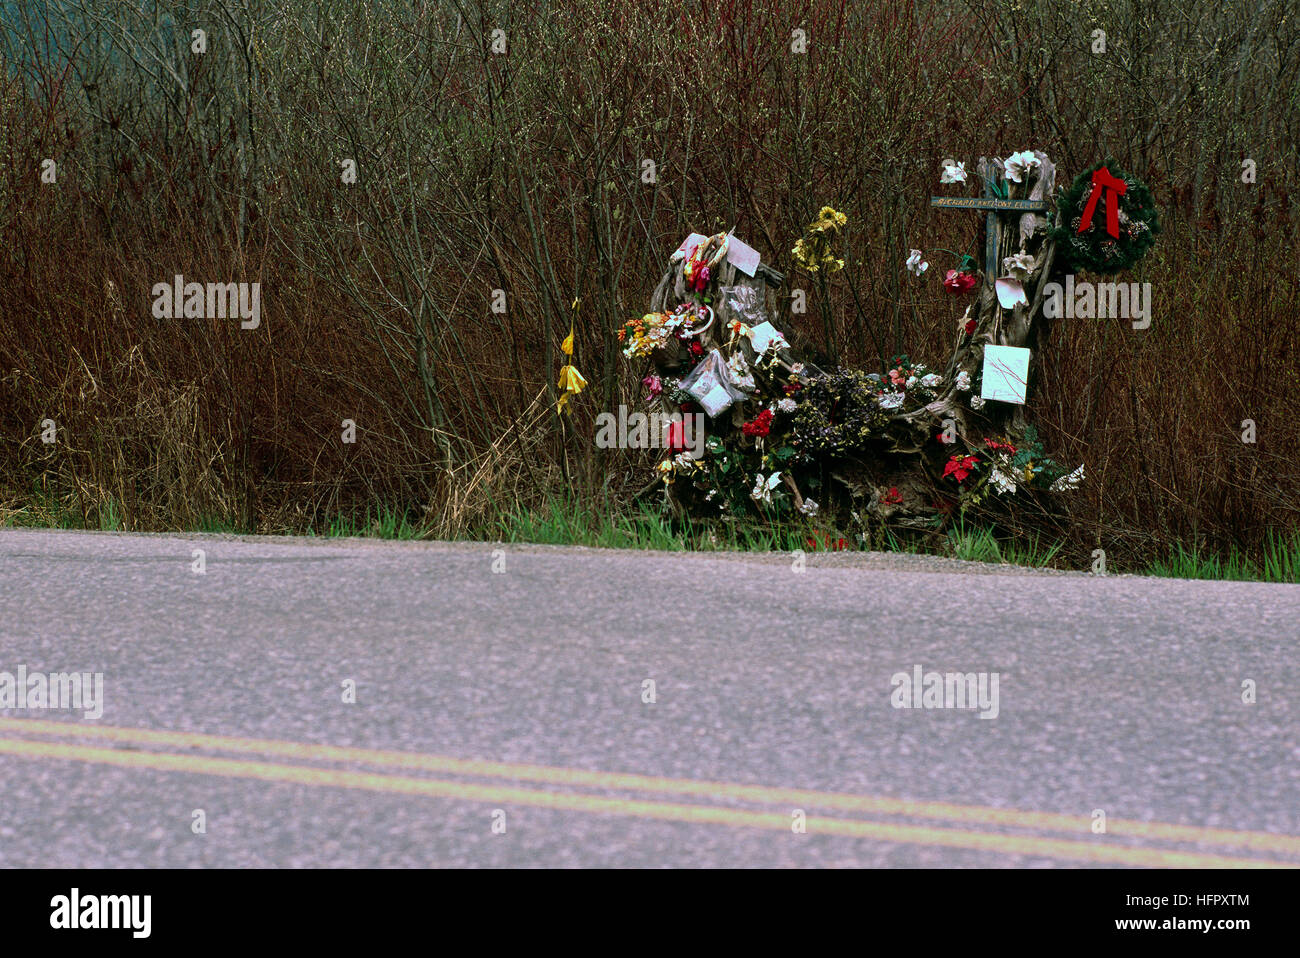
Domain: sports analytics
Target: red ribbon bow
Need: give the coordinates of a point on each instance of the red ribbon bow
(1103, 180)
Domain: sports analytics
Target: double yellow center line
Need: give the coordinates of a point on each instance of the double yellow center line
(1125, 842)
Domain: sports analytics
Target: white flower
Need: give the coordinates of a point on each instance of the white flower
(963, 381)
(740, 374)
(1002, 482)
(1021, 265)
(891, 400)
(1017, 165)
(976, 402)
(930, 380)
(915, 264)
(786, 405)
(1068, 482)
(763, 488)
(809, 507)
(953, 172)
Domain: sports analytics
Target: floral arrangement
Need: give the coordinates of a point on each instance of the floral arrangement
(783, 434)
(815, 251)
(1091, 246)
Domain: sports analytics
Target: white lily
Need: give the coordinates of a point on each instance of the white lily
(915, 264)
(953, 172)
(1015, 166)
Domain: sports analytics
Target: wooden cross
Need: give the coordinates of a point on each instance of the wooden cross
(992, 205)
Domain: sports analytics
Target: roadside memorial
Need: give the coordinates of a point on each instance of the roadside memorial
(907, 446)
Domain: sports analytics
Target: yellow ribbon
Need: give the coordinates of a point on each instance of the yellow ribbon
(571, 381)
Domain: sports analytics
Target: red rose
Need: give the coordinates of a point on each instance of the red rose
(970, 327)
(696, 349)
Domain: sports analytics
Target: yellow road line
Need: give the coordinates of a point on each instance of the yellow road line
(663, 811)
(761, 794)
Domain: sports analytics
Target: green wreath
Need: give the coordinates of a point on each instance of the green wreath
(837, 413)
(1095, 250)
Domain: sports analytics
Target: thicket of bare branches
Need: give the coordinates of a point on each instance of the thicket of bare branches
(523, 171)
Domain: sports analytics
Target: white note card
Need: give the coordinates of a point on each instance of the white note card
(1006, 373)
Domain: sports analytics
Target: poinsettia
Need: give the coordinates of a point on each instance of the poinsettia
(761, 424)
(960, 467)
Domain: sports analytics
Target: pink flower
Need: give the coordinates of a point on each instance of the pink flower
(959, 282)
(654, 384)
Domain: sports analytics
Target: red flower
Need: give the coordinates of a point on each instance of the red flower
(697, 350)
(996, 446)
(675, 440)
(893, 497)
(970, 327)
(760, 426)
(959, 282)
(959, 467)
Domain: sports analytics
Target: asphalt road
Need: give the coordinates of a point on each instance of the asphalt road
(503, 718)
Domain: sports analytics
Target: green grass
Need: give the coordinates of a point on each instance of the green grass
(563, 521)
(379, 522)
(1280, 562)
(981, 545)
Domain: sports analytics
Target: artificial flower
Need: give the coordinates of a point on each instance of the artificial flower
(786, 405)
(915, 264)
(762, 491)
(740, 372)
(654, 384)
(959, 282)
(963, 381)
(1019, 266)
(809, 507)
(760, 426)
(953, 172)
(891, 400)
(1002, 482)
(893, 497)
(976, 402)
(959, 467)
(1015, 166)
